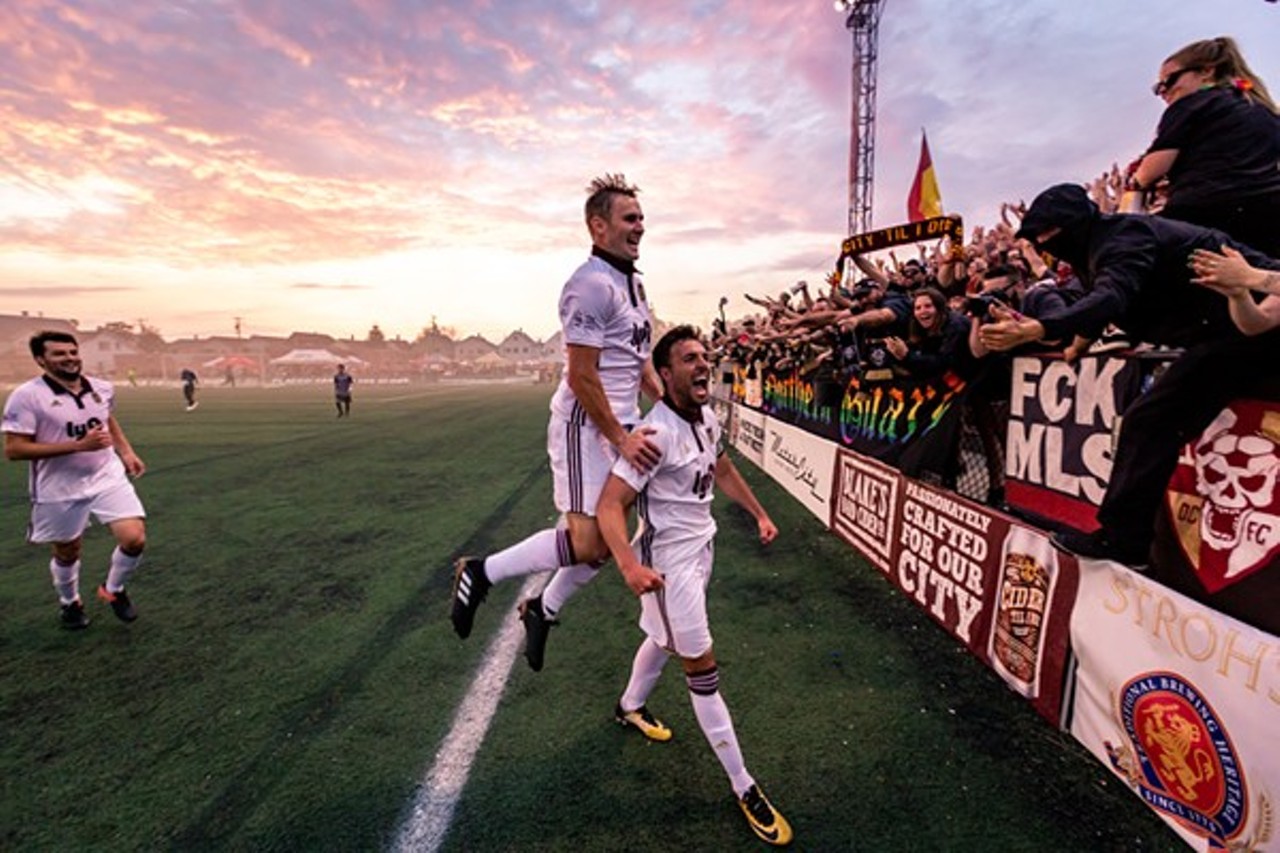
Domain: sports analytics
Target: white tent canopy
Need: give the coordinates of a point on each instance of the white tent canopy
(314, 357)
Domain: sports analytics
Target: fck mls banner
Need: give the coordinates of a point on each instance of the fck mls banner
(1181, 702)
(1058, 445)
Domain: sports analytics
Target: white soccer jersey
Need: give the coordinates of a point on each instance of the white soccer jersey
(50, 413)
(674, 497)
(605, 308)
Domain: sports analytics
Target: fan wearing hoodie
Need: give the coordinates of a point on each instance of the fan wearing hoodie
(1136, 273)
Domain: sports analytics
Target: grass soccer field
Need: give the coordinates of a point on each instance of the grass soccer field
(293, 671)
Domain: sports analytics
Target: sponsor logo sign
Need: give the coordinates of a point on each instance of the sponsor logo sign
(865, 505)
(802, 463)
(749, 434)
(1178, 755)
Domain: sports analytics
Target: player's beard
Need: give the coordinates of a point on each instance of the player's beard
(67, 377)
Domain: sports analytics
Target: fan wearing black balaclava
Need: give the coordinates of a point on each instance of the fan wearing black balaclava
(1135, 272)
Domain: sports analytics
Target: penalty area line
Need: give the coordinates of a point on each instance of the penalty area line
(428, 823)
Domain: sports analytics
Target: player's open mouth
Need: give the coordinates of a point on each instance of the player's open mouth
(703, 382)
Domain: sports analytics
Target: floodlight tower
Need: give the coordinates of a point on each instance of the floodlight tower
(862, 17)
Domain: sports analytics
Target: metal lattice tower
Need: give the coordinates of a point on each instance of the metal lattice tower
(862, 17)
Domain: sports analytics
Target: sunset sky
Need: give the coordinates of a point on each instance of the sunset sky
(320, 165)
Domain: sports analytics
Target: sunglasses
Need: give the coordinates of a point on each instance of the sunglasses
(1167, 83)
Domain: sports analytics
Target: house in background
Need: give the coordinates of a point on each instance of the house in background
(108, 352)
(519, 347)
(472, 348)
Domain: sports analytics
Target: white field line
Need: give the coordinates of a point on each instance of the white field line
(428, 824)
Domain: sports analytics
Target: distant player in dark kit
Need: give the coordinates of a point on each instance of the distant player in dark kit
(62, 422)
(342, 382)
(189, 381)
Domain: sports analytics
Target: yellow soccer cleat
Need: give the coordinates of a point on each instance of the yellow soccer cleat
(766, 822)
(649, 725)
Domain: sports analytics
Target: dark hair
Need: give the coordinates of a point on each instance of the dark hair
(941, 309)
(39, 339)
(601, 193)
(662, 349)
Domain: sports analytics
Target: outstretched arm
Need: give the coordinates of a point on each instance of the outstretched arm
(729, 481)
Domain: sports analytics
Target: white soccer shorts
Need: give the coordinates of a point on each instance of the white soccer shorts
(675, 617)
(580, 463)
(65, 521)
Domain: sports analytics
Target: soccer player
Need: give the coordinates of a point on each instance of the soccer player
(62, 422)
(669, 566)
(189, 381)
(607, 331)
(342, 391)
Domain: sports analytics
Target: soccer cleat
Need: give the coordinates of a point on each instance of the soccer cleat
(766, 822)
(121, 606)
(470, 586)
(536, 628)
(1099, 546)
(73, 617)
(649, 725)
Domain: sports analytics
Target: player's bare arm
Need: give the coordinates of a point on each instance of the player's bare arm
(729, 481)
(584, 381)
(133, 464)
(24, 447)
(651, 383)
(611, 515)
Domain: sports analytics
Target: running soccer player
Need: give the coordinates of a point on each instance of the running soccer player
(62, 422)
(669, 566)
(607, 329)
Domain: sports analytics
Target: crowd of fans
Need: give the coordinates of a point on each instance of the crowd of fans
(915, 317)
(1213, 163)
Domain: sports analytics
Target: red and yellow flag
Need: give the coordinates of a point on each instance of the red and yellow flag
(924, 201)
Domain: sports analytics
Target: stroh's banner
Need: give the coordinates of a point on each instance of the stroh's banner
(1180, 702)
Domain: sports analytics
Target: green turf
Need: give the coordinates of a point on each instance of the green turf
(293, 670)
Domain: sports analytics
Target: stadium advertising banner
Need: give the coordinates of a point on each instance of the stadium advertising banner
(1058, 447)
(998, 587)
(1181, 703)
(748, 434)
(802, 463)
(724, 414)
(864, 507)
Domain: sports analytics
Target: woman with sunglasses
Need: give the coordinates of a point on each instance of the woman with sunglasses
(1218, 144)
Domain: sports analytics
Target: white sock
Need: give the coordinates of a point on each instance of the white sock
(565, 584)
(544, 550)
(717, 726)
(122, 565)
(645, 668)
(66, 580)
